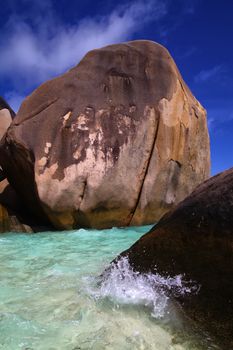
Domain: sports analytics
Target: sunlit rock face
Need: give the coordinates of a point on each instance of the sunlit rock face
(117, 140)
(195, 239)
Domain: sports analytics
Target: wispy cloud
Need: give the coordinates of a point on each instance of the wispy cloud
(207, 74)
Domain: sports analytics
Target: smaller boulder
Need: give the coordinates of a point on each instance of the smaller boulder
(11, 208)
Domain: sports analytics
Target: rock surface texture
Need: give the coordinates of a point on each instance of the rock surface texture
(196, 239)
(116, 141)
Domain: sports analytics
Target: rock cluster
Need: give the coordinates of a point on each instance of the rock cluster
(119, 140)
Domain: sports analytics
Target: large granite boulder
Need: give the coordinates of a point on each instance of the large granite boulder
(117, 140)
(196, 239)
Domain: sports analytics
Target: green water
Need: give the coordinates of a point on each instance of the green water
(51, 298)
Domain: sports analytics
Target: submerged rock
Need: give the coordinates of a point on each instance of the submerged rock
(196, 239)
(116, 141)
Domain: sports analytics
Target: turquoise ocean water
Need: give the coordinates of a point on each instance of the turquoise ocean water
(51, 296)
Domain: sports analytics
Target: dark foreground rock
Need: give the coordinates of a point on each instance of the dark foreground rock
(116, 141)
(196, 239)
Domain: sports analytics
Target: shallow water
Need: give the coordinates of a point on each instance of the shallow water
(51, 296)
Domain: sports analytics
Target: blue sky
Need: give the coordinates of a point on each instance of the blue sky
(42, 39)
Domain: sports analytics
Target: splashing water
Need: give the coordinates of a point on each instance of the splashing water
(51, 296)
(122, 285)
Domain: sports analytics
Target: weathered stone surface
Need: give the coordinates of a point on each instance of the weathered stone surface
(117, 140)
(196, 239)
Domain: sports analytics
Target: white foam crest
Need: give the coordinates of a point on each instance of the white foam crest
(123, 285)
